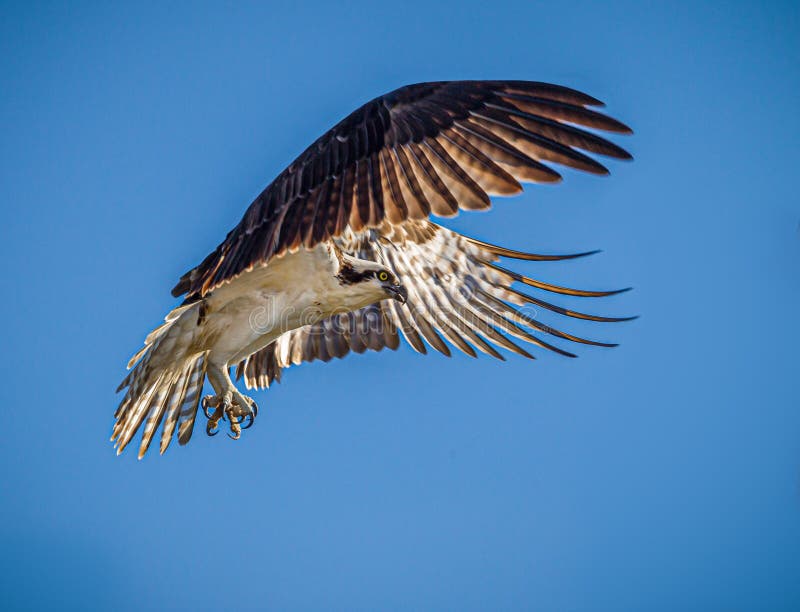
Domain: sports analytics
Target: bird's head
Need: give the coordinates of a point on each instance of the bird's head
(369, 281)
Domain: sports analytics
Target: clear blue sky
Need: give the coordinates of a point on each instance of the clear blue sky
(660, 475)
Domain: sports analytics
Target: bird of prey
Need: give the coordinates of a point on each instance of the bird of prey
(339, 252)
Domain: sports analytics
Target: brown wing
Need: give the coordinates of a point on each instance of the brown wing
(423, 149)
(457, 294)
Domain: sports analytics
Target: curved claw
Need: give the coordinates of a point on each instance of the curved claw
(250, 416)
(204, 405)
(235, 437)
(254, 408)
(211, 430)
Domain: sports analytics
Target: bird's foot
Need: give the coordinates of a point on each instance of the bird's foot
(236, 407)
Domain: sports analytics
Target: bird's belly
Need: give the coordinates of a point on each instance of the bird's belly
(249, 324)
(253, 310)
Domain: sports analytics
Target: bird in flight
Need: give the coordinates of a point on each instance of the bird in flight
(339, 252)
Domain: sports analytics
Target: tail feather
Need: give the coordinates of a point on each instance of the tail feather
(171, 398)
(132, 418)
(155, 412)
(189, 404)
(173, 405)
(163, 386)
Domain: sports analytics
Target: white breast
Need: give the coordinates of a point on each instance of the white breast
(258, 306)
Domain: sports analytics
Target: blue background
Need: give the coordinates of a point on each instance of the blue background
(660, 475)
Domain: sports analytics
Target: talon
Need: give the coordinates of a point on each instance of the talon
(224, 408)
(235, 429)
(206, 403)
(229, 407)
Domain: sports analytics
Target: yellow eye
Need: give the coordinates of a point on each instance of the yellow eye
(383, 276)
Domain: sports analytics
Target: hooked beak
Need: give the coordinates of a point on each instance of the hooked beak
(397, 292)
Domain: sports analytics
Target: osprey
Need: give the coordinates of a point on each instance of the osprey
(339, 254)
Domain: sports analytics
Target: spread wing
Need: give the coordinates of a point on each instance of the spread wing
(456, 292)
(429, 148)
